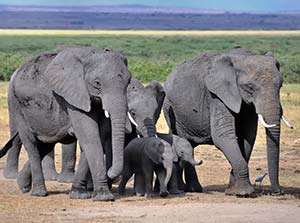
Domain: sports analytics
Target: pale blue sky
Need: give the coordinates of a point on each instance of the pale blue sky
(265, 5)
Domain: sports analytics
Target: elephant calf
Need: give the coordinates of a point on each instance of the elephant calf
(142, 156)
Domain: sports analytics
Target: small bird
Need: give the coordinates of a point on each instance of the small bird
(260, 178)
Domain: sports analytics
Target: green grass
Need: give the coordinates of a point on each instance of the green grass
(153, 57)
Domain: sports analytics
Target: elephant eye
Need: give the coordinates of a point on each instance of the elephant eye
(248, 88)
(97, 84)
(132, 112)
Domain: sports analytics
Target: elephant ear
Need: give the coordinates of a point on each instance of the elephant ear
(222, 81)
(160, 95)
(154, 151)
(65, 76)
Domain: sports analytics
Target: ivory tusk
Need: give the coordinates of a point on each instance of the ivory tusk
(261, 119)
(138, 136)
(106, 114)
(156, 136)
(131, 119)
(286, 122)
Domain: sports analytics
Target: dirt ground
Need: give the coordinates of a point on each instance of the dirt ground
(210, 206)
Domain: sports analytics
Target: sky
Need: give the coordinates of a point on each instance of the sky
(248, 5)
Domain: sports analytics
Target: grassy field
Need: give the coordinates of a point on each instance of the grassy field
(152, 54)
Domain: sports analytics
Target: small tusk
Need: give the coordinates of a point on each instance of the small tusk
(261, 119)
(286, 122)
(138, 136)
(156, 136)
(106, 114)
(131, 119)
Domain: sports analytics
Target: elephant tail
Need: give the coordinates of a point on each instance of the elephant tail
(9, 144)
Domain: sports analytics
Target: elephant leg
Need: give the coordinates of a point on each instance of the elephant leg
(79, 188)
(24, 178)
(88, 134)
(127, 173)
(224, 137)
(246, 129)
(191, 179)
(68, 163)
(48, 165)
(12, 163)
(173, 186)
(148, 174)
(161, 176)
(139, 184)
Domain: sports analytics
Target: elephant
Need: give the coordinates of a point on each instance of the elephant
(217, 98)
(142, 156)
(64, 96)
(185, 154)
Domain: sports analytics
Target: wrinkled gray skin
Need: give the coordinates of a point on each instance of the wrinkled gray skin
(144, 104)
(215, 99)
(143, 156)
(185, 154)
(58, 97)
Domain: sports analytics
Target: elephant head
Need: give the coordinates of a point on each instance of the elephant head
(89, 78)
(145, 105)
(184, 150)
(161, 152)
(240, 76)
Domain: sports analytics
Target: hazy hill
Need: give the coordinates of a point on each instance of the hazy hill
(141, 17)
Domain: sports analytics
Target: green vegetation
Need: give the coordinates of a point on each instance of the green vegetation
(153, 57)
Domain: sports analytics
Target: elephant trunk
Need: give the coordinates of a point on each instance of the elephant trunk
(117, 110)
(195, 163)
(149, 129)
(273, 116)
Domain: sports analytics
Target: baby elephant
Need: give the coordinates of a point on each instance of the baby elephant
(142, 156)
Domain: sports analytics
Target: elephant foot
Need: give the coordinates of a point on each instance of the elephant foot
(24, 184)
(10, 173)
(277, 192)
(76, 194)
(175, 191)
(194, 187)
(103, 194)
(66, 177)
(39, 190)
(230, 190)
(243, 189)
(139, 194)
(149, 195)
(164, 193)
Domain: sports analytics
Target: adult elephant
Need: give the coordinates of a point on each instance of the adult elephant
(217, 99)
(61, 97)
(145, 106)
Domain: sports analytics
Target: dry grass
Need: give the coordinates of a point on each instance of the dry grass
(152, 32)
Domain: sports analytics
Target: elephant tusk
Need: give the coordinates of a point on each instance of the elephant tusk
(106, 114)
(138, 136)
(132, 120)
(156, 136)
(286, 122)
(261, 119)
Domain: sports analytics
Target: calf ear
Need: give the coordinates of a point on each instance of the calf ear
(154, 151)
(222, 81)
(160, 95)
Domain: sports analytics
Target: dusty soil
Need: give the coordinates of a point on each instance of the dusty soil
(210, 206)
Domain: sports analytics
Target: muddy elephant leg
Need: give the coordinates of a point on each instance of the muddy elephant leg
(48, 165)
(12, 163)
(173, 186)
(139, 184)
(79, 188)
(68, 163)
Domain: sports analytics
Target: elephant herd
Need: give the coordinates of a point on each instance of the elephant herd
(88, 95)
